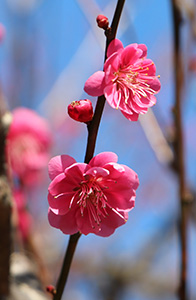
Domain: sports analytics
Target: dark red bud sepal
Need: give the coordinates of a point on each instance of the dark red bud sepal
(81, 111)
(102, 21)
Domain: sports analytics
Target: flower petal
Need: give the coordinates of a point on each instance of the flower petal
(66, 223)
(114, 219)
(60, 205)
(103, 158)
(97, 172)
(58, 164)
(94, 84)
(144, 49)
(131, 117)
(112, 95)
(130, 55)
(114, 46)
(75, 172)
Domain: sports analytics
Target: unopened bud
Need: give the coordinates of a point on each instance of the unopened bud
(102, 21)
(81, 110)
(51, 289)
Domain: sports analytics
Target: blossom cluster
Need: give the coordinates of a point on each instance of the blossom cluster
(96, 197)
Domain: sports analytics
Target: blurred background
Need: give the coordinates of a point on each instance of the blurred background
(49, 50)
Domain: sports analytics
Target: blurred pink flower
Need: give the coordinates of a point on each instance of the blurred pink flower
(128, 80)
(2, 32)
(28, 143)
(23, 217)
(90, 198)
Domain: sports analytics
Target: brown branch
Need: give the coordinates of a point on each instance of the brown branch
(179, 151)
(5, 204)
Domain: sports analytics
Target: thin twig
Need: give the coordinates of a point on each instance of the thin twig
(94, 125)
(66, 265)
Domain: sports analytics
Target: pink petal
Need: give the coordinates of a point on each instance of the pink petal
(111, 66)
(131, 117)
(144, 49)
(103, 158)
(153, 100)
(58, 164)
(130, 55)
(62, 184)
(112, 94)
(97, 172)
(66, 223)
(94, 84)
(75, 173)
(146, 67)
(61, 204)
(154, 84)
(138, 109)
(145, 101)
(86, 223)
(114, 46)
(115, 170)
(57, 185)
(111, 222)
(121, 192)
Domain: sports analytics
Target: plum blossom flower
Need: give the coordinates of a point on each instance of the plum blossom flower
(28, 144)
(90, 198)
(128, 81)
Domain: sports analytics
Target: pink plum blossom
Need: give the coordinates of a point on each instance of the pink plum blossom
(128, 81)
(90, 198)
(28, 144)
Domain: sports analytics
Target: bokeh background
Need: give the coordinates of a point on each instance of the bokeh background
(49, 50)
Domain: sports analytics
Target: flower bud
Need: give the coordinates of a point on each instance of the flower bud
(51, 289)
(81, 110)
(102, 21)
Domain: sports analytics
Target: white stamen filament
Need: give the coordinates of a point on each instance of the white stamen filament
(128, 79)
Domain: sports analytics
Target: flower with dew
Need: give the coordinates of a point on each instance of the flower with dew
(129, 80)
(28, 144)
(90, 198)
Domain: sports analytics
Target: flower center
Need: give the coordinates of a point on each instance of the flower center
(89, 196)
(92, 198)
(135, 80)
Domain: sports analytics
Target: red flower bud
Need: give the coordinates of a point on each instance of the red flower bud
(51, 289)
(81, 111)
(102, 21)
